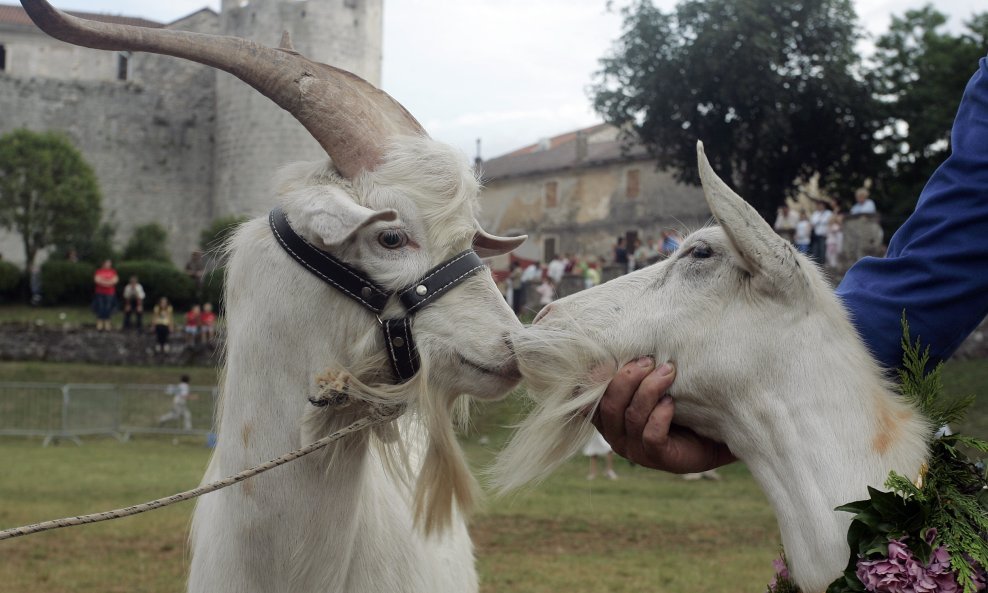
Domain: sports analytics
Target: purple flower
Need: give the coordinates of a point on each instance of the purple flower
(781, 568)
(901, 572)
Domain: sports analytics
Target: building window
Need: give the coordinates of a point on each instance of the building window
(548, 249)
(3, 58)
(632, 184)
(122, 59)
(549, 191)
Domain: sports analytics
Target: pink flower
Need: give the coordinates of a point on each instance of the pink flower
(902, 572)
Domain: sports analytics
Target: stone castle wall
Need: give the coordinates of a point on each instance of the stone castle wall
(179, 143)
(150, 149)
(254, 137)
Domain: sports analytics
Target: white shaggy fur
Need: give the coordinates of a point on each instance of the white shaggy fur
(767, 362)
(381, 511)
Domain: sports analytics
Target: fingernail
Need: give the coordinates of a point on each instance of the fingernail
(664, 369)
(645, 362)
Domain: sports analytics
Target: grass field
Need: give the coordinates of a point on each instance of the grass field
(647, 531)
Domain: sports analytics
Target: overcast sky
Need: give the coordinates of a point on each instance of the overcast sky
(506, 71)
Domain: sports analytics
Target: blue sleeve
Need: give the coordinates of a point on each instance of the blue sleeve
(936, 268)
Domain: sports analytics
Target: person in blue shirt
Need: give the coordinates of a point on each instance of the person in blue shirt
(936, 270)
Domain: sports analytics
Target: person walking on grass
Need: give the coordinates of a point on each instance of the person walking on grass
(180, 404)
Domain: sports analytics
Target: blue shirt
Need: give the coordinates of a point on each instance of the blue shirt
(936, 268)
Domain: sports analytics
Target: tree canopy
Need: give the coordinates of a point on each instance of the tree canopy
(48, 194)
(149, 242)
(771, 88)
(919, 75)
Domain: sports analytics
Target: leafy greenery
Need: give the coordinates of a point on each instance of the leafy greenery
(919, 74)
(215, 235)
(67, 283)
(947, 497)
(777, 92)
(94, 249)
(160, 279)
(149, 242)
(48, 194)
(10, 279)
(772, 89)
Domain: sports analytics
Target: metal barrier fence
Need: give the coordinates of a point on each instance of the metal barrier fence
(55, 411)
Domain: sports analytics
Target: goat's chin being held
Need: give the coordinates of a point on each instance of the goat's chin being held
(566, 374)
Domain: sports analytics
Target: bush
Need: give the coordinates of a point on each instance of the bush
(148, 243)
(67, 283)
(215, 235)
(159, 279)
(212, 288)
(11, 281)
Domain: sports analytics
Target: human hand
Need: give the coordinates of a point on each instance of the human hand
(635, 417)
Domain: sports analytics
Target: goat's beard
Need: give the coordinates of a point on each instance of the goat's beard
(566, 374)
(439, 476)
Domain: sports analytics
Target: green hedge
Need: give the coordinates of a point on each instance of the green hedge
(11, 281)
(212, 288)
(159, 279)
(67, 283)
(71, 283)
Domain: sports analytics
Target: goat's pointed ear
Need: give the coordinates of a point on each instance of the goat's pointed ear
(488, 245)
(763, 251)
(328, 216)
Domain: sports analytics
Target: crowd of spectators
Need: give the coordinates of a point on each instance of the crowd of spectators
(199, 325)
(547, 278)
(820, 233)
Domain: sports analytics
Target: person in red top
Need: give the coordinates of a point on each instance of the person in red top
(105, 299)
(207, 323)
(192, 324)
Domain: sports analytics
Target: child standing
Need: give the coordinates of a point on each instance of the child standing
(597, 447)
(192, 325)
(162, 320)
(207, 323)
(804, 234)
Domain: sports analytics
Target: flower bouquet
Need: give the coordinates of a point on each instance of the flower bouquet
(928, 535)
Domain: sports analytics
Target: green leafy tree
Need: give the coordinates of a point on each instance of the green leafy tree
(148, 243)
(920, 73)
(48, 194)
(771, 88)
(215, 235)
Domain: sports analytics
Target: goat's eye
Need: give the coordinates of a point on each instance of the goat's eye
(392, 239)
(701, 251)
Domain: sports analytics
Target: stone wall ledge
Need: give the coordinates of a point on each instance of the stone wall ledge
(75, 344)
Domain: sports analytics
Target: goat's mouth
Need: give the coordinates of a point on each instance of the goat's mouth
(507, 371)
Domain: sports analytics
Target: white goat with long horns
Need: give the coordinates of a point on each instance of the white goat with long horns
(380, 511)
(767, 362)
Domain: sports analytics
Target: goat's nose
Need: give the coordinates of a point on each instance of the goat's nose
(545, 311)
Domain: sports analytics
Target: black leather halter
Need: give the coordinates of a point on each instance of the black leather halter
(355, 284)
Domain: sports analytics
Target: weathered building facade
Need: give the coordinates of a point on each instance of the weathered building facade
(578, 192)
(171, 141)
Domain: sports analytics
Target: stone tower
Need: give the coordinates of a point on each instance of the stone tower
(253, 135)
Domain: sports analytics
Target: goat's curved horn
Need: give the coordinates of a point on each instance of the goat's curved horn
(350, 118)
(760, 247)
(488, 245)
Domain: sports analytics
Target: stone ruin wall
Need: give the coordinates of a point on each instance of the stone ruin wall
(254, 137)
(179, 143)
